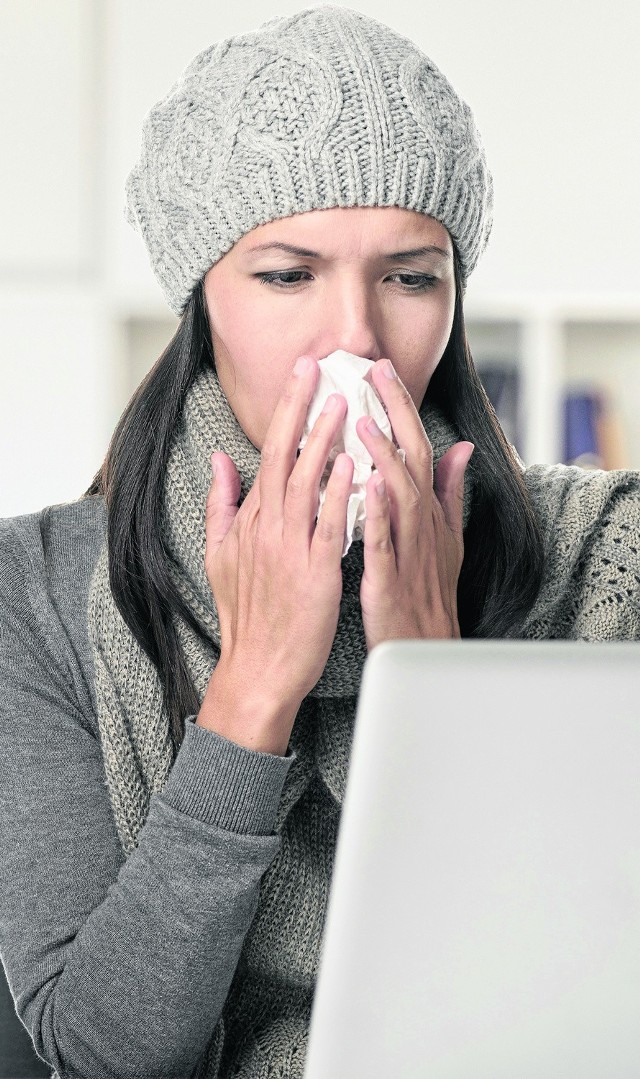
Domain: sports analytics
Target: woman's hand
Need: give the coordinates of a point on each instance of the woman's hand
(276, 574)
(413, 546)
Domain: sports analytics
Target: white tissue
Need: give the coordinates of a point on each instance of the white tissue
(341, 372)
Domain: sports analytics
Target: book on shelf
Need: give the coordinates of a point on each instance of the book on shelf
(593, 431)
(593, 434)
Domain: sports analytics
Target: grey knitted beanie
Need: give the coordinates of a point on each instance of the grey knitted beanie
(323, 108)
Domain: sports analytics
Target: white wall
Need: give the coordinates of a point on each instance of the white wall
(554, 90)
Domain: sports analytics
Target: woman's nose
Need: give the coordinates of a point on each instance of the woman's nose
(353, 322)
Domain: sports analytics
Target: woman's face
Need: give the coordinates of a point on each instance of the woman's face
(350, 290)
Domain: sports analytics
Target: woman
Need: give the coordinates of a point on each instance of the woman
(181, 653)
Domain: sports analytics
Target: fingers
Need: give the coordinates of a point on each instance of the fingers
(380, 558)
(289, 487)
(329, 534)
(412, 489)
(407, 426)
(302, 494)
(280, 446)
(406, 506)
(222, 501)
(449, 484)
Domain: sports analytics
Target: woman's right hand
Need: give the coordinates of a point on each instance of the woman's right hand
(275, 574)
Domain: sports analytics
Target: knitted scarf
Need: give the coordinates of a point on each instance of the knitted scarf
(132, 717)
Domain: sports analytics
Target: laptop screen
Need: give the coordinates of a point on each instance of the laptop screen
(484, 915)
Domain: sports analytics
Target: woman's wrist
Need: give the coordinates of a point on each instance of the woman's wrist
(251, 715)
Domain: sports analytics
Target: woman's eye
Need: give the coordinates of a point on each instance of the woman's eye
(274, 278)
(417, 282)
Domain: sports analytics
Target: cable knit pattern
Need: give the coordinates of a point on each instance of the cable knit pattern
(323, 108)
(591, 591)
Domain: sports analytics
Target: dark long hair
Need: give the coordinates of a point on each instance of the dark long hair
(503, 563)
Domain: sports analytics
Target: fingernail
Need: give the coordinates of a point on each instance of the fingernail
(301, 365)
(213, 468)
(389, 370)
(372, 427)
(330, 403)
(341, 463)
(381, 488)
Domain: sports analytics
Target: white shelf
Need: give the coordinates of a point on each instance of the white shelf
(556, 307)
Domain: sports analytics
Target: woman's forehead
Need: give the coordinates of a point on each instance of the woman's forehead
(369, 226)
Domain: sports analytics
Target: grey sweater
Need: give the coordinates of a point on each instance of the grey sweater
(122, 968)
(110, 961)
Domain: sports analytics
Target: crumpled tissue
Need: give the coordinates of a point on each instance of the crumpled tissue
(342, 372)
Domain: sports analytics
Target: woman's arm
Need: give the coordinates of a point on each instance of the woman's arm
(118, 968)
(591, 527)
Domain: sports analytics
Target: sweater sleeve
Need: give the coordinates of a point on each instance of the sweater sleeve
(118, 968)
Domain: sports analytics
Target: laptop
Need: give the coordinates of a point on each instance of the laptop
(484, 913)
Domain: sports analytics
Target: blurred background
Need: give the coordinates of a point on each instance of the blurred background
(553, 308)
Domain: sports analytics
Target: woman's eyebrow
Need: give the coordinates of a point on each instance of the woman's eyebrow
(415, 252)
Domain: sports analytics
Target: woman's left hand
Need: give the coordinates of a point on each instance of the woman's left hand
(413, 545)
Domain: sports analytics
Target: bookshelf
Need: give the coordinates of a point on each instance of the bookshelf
(565, 347)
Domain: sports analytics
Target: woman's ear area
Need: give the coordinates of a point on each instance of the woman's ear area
(205, 283)
(207, 288)
(203, 294)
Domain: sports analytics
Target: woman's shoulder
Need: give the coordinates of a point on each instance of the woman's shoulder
(51, 549)
(572, 503)
(590, 521)
(570, 479)
(46, 563)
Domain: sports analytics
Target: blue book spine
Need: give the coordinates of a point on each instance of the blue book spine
(582, 411)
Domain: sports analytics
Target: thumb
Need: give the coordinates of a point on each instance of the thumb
(449, 483)
(222, 501)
